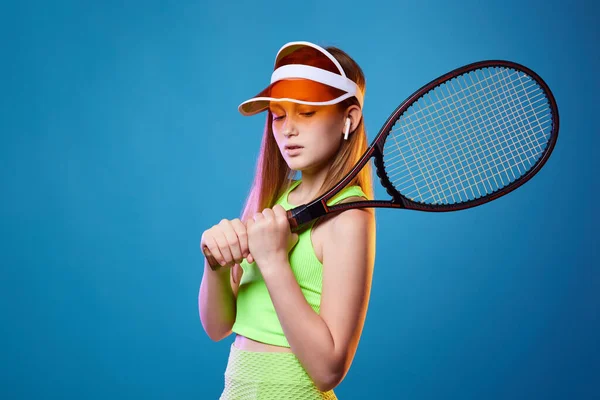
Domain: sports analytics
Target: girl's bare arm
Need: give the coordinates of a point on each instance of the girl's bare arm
(325, 343)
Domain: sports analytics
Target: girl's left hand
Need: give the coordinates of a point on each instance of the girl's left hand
(269, 237)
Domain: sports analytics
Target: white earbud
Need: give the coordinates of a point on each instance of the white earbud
(347, 128)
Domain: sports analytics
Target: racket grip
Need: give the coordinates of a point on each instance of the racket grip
(300, 216)
(212, 261)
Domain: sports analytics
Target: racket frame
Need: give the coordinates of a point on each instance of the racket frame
(303, 214)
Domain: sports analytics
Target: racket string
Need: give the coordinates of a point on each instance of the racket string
(480, 173)
(477, 114)
(410, 171)
(487, 144)
(447, 140)
(444, 159)
(472, 155)
(419, 122)
(420, 168)
(459, 129)
(433, 105)
(497, 151)
(530, 105)
(476, 170)
(480, 165)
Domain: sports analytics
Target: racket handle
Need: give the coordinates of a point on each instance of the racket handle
(212, 261)
(300, 216)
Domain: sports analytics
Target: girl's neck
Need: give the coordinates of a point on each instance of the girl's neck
(310, 185)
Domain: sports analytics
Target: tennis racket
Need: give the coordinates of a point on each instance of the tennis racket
(462, 140)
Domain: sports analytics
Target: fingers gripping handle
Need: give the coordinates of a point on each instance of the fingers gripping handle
(214, 264)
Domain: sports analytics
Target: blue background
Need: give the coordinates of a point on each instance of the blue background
(121, 142)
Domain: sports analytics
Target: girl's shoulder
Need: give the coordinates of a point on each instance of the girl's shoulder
(348, 194)
(355, 218)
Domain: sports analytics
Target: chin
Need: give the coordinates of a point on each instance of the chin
(296, 164)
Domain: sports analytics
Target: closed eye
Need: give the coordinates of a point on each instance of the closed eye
(308, 114)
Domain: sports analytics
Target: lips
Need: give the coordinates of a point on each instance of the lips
(292, 147)
(292, 150)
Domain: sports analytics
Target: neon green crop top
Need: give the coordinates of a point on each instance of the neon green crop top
(256, 317)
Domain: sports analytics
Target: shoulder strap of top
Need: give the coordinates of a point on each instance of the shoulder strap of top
(350, 191)
(283, 198)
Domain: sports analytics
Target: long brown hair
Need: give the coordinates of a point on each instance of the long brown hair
(273, 176)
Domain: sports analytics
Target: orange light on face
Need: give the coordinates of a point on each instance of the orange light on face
(304, 90)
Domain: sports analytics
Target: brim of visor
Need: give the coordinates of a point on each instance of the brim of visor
(314, 93)
(259, 104)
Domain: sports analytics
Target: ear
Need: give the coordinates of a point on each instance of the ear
(355, 114)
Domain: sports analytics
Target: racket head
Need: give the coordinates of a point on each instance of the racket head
(467, 137)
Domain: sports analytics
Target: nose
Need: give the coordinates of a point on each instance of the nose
(289, 127)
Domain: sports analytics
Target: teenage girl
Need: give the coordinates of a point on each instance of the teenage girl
(296, 301)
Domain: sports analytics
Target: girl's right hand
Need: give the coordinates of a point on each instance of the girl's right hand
(227, 242)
